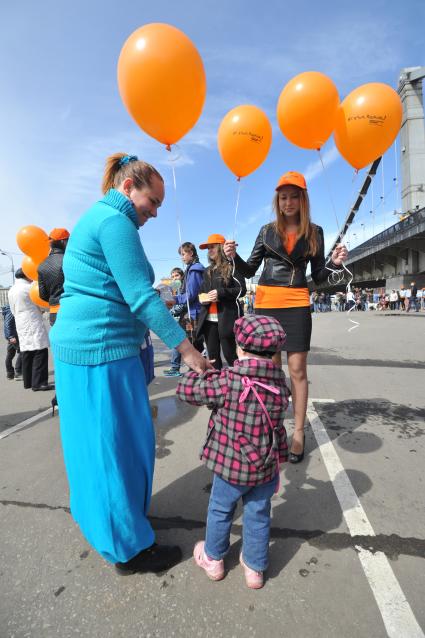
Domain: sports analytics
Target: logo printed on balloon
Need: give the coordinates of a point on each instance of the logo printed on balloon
(254, 137)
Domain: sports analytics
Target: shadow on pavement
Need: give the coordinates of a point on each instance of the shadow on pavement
(10, 420)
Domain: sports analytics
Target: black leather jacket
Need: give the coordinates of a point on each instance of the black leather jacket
(229, 309)
(281, 269)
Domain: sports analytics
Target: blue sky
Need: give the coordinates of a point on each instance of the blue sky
(61, 114)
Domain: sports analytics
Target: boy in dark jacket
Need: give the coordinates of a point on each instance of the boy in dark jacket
(245, 444)
(12, 339)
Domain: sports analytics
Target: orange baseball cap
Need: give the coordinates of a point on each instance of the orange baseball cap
(58, 233)
(213, 239)
(292, 178)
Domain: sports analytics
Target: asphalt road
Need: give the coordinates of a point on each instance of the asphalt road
(347, 544)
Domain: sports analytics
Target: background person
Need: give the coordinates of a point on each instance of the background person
(189, 293)
(11, 336)
(176, 311)
(50, 273)
(286, 247)
(225, 292)
(393, 299)
(106, 423)
(412, 298)
(32, 333)
(407, 299)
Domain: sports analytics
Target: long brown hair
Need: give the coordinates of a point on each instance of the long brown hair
(115, 173)
(306, 227)
(221, 265)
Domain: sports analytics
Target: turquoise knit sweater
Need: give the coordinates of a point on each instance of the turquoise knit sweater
(108, 300)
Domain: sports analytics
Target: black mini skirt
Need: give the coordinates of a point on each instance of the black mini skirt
(296, 322)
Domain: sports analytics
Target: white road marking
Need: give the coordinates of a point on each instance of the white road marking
(398, 617)
(23, 424)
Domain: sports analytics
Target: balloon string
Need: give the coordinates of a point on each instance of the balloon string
(337, 276)
(176, 203)
(179, 230)
(330, 193)
(237, 207)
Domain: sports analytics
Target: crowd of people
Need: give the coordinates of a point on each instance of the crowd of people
(99, 286)
(403, 299)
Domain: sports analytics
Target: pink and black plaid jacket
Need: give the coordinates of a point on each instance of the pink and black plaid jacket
(240, 445)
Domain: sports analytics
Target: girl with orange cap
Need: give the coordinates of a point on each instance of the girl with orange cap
(221, 296)
(286, 246)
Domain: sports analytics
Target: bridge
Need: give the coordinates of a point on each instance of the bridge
(393, 257)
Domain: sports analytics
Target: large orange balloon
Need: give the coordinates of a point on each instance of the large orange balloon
(30, 268)
(367, 123)
(33, 241)
(306, 109)
(244, 139)
(161, 79)
(35, 296)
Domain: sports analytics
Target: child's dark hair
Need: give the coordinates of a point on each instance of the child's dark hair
(58, 243)
(189, 247)
(179, 271)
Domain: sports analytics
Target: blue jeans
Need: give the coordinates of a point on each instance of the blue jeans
(176, 360)
(255, 522)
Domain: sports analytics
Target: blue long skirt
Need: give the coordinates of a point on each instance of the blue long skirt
(108, 445)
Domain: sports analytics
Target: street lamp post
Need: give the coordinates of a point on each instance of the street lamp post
(6, 254)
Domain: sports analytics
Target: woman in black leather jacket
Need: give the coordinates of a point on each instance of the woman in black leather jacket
(221, 297)
(286, 246)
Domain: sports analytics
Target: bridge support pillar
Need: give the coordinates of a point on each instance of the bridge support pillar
(412, 139)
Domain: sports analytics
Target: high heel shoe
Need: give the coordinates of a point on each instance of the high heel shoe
(297, 458)
(54, 405)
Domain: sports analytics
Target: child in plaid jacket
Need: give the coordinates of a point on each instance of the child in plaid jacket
(245, 444)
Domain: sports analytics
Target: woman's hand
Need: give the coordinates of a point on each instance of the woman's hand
(339, 255)
(193, 358)
(230, 248)
(212, 295)
(170, 303)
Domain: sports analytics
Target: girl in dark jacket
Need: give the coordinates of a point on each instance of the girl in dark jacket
(286, 247)
(221, 297)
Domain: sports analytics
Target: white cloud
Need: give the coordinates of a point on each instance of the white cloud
(314, 169)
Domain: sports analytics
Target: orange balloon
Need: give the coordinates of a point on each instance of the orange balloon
(244, 139)
(35, 296)
(161, 79)
(307, 108)
(30, 268)
(367, 123)
(33, 241)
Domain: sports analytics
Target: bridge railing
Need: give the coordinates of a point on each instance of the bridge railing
(390, 233)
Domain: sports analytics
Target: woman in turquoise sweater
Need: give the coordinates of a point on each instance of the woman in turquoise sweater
(106, 425)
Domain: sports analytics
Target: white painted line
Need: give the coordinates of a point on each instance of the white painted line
(23, 424)
(398, 617)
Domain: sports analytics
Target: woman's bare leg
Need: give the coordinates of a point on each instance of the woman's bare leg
(297, 367)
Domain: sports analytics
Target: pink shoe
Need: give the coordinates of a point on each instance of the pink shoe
(253, 579)
(214, 569)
